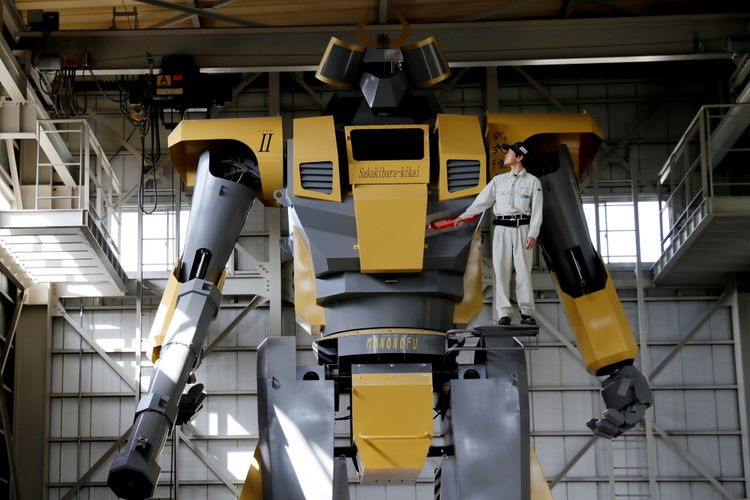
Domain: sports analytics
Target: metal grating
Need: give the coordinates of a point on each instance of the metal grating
(317, 176)
(61, 247)
(462, 174)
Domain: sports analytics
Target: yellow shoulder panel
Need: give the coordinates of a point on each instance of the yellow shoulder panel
(460, 149)
(262, 136)
(316, 159)
(545, 132)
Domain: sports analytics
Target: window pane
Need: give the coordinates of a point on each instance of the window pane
(648, 223)
(620, 216)
(621, 244)
(589, 212)
(158, 241)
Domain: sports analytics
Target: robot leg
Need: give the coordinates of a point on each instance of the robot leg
(296, 424)
(489, 429)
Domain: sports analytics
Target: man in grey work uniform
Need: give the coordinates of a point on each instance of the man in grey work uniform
(516, 200)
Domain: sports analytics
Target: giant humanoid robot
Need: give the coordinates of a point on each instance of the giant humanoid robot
(386, 298)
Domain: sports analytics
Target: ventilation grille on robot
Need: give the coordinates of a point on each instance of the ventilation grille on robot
(317, 176)
(462, 174)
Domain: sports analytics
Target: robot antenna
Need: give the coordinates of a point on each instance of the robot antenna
(373, 44)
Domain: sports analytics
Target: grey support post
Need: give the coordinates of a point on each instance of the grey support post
(489, 429)
(295, 419)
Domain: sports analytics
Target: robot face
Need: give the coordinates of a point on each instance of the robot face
(383, 83)
(383, 63)
(383, 70)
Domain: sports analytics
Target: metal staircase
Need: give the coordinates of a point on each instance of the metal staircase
(66, 231)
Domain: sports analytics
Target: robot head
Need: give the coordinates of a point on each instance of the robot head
(384, 70)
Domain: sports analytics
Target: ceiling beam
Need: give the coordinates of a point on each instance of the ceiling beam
(517, 4)
(200, 12)
(617, 6)
(568, 8)
(497, 43)
(194, 18)
(184, 17)
(12, 19)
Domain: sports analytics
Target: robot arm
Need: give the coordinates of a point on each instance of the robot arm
(225, 185)
(563, 145)
(591, 302)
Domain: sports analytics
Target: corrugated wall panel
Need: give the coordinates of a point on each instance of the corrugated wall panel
(695, 392)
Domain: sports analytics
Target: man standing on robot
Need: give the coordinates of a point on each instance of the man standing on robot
(516, 200)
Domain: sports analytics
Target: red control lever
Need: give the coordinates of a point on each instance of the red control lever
(446, 223)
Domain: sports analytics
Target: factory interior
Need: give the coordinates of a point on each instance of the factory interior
(232, 264)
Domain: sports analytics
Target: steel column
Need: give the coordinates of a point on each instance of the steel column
(740, 323)
(4, 415)
(645, 355)
(273, 225)
(490, 87)
(30, 411)
(382, 11)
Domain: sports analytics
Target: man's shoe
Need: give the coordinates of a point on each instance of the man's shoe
(504, 321)
(527, 320)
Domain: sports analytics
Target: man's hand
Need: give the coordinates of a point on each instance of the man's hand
(627, 396)
(530, 243)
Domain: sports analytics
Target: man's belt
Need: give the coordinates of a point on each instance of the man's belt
(511, 220)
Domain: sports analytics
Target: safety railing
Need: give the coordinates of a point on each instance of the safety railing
(689, 176)
(88, 180)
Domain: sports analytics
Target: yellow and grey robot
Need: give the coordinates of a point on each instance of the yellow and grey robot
(387, 298)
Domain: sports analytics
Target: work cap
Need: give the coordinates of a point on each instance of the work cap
(517, 148)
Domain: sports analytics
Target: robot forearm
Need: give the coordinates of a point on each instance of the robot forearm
(586, 290)
(592, 305)
(135, 471)
(224, 191)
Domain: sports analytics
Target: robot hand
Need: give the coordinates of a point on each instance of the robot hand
(627, 395)
(190, 404)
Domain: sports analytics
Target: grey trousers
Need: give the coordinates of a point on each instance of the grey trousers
(508, 253)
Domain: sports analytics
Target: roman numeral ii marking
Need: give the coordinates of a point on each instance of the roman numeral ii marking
(265, 143)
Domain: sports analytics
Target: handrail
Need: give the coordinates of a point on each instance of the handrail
(688, 170)
(97, 187)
